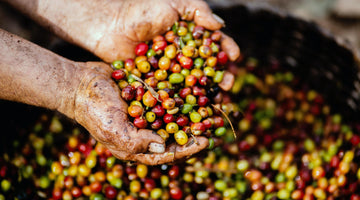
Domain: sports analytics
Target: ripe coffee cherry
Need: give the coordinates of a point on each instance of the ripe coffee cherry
(141, 49)
(168, 118)
(135, 111)
(128, 93)
(182, 120)
(222, 58)
(190, 80)
(118, 74)
(158, 38)
(158, 110)
(197, 128)
(184, 92)
(129, 64)
(156, 124)
(110, 192)
(198, 91)
(204, 80)
(205, 51)
(186, 62)
(169, 103)
(198, 32)
(140, 122)
(149, 100)
(159, 46)
(218, 122)
(203, 101)
(140, 91)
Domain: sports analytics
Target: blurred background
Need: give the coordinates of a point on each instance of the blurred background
(340, 17)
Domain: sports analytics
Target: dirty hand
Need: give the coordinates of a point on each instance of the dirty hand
(99, 108)
(111, 29)
(84, 92)
(136, 21)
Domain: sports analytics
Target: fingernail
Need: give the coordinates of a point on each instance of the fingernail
(219, 19)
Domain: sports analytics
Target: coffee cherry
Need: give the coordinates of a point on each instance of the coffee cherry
(172, 127)
(195, 117)
(168, 118)
(203, 101)
(188, 51)
(154, 62)
(135, 111)
(205, 51)
(198, 32)
(180, 137)
(168, 103)
(157, 124)
(190, 80)
(110, 192)
(128, 93)
(186, 62)
(164, 63)
(141, 49)
(163, 134)
(160, 74)
(118, 74)
(159, 46)
(182, 120)
(129, 64)
(140, 91)
(197, 128)
(140, 122)
(170, 51)
(117, 64)
(144, 66)
(149, 100)
(158, 110)
(169, 37)
(222, 58)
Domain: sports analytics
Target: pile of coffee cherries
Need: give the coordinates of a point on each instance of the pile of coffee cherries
(290, 145)
(171, 83)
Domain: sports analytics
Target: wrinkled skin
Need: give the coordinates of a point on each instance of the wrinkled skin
(109, 29)
(99, 108)
(154, 18)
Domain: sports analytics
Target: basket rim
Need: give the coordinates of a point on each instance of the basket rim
(325, 32)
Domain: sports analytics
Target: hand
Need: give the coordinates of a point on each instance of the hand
(111, 29)
(141, 20)
(99, 108)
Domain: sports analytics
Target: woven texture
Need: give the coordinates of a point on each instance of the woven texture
(310, 52)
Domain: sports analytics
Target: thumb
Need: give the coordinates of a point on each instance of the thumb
(147, 137)
(199, 12)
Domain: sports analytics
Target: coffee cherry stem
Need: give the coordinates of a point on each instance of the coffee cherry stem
(195, 140)
(151, 90)
(217, 107)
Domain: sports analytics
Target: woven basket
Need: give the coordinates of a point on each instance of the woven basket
(324, 63)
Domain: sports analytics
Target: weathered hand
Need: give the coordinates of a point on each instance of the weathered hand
(100, 109)
(111, 29)
(130, 22)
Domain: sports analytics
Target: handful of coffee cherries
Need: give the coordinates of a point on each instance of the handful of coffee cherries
(171, 83)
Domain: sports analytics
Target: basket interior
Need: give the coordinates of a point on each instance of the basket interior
(303, 47)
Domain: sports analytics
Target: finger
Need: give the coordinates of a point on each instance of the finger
(200, 13)
(149, 136)
(227, 81)
(109, 52)
(174, 152)
(100, 67)
(230, 47)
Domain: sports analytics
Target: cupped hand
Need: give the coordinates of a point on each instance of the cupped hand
(100, 109)
(130, 22)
